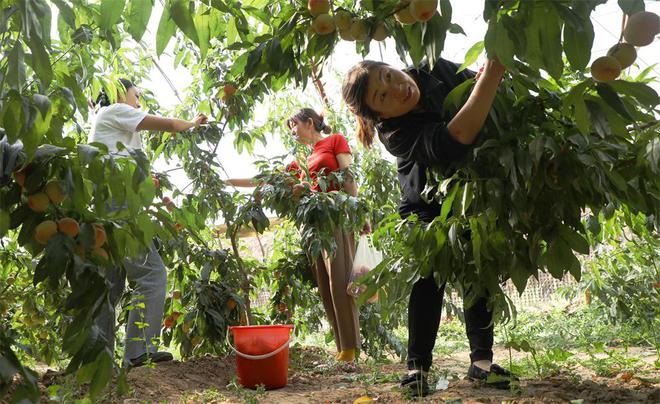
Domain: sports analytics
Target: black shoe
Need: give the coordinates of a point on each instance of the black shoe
(416, 384)
(497, 377)
(153, 357)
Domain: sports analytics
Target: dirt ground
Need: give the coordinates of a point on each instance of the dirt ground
(313, 378)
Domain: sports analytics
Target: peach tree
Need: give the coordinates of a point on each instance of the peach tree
(561, 154)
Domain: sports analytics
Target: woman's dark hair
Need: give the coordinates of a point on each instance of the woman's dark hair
(307, 113)
(103, 100)
(353, 90)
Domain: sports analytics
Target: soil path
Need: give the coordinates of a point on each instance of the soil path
(314, 379)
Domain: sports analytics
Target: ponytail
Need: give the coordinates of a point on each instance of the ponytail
(305, 114)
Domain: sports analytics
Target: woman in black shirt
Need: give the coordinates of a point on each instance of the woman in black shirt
(405, 107)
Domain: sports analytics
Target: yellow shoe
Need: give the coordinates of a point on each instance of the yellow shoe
(347, 355)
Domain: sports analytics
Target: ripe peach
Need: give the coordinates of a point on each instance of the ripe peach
(359, 30)
(343, 20)
(19, 176)
(44, 231)
(297, 192)
(317, 7)
(169, 322)
(100, 236)
(605, 68)
(68, 226)
(641, 28)
(323, 24)
(231, 304)
(100, 252)
(404, 16)
(185, 328)
(156, 181)
(228, 91)
(345, 34)
(281, 307)
(380, 33)
(423, 10)
(38, 202)
(55, 192)
(624, 53)
(176, 315)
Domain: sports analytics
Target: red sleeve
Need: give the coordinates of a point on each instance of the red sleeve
(340, 144)
(294, 169)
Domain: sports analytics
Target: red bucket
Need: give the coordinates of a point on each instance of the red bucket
(262, 354)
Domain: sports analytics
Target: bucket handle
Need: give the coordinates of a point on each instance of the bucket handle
(259, 357)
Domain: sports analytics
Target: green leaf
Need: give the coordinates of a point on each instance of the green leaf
(447, 202)
(644, 94)
(577, 44)
(652, 154)
(458, 95)
(110, 13)
(137, 17)
(16, 67)
(574, 239)
(202, 22)
(472, 55)
(40, 61)
(102, 374)
(504, 48)
(166, 29)
(612, 99)
(550, 41)
(66, 12)
(180, 11)
(631, 6)
(560, 258)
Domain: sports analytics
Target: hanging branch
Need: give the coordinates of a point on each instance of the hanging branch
(319, 86)
(160, 69)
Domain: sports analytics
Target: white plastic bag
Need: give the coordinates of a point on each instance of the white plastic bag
(367, 257)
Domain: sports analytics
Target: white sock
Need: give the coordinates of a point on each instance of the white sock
(483, 364)
(415, 371)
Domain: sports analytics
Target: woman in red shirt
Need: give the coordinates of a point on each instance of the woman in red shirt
(329, 154)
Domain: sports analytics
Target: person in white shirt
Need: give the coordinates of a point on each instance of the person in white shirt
(121, 122)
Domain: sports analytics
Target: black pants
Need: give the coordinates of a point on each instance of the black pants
(424, 311)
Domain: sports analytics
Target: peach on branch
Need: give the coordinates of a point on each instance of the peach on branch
(68, 226)
(359, 30)
(380, 33)
(100, 235)
(38, 202)
(343, 20)
(403, 15)
(423, 10)
(323, 24)
(345, 34)
(624, 53)
(55, 192)
(641, 28)
(100, 252)
(318, 7)
(44, 231)
(605, 68)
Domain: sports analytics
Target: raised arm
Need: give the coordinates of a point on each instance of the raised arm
(469, 120)
(157, 123)
(242, 182)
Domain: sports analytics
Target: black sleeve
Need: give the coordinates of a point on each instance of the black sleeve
(428, 143)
